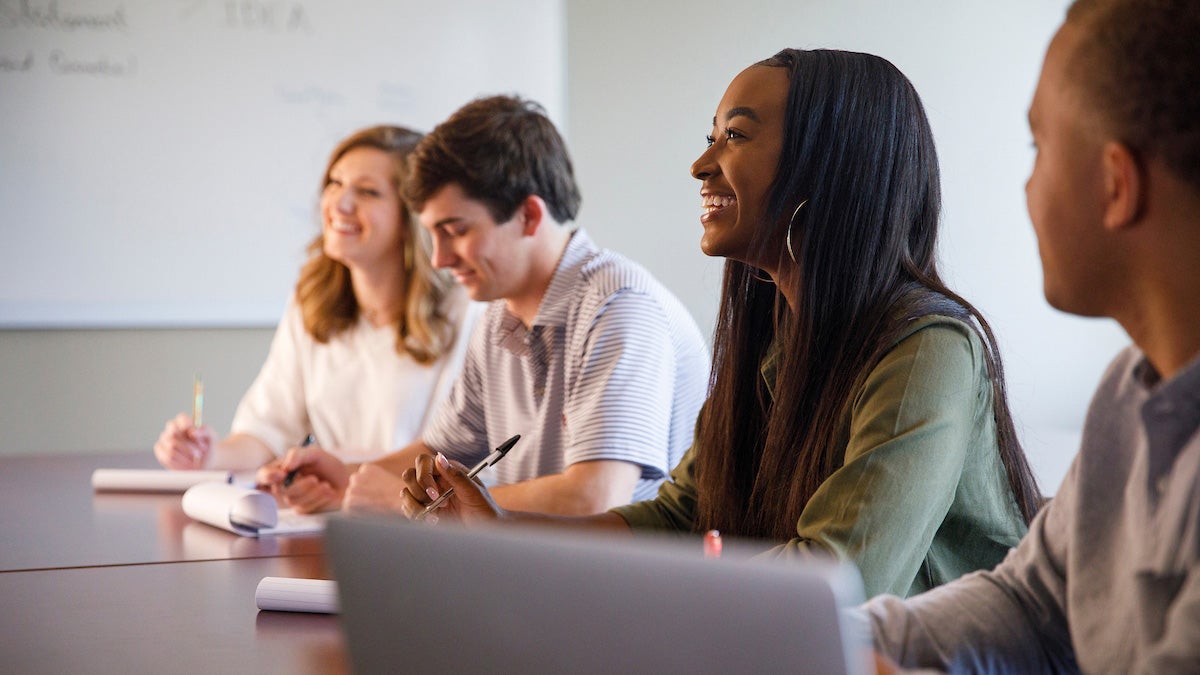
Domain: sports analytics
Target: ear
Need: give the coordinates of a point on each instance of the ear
(533, 214)
(1124, 186)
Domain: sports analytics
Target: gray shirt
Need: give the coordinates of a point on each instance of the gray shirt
(1108, 579)
(612, 368)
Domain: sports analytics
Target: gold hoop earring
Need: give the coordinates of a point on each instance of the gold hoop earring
(791, 222)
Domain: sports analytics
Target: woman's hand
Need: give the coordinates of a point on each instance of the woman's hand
(318, 480)
(183, 446)
(431, 477)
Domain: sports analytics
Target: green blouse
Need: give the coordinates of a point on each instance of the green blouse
(922, 497)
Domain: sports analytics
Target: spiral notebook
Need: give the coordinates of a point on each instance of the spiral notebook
(246, 511)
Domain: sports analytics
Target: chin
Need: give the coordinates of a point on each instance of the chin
(710, 248)
(1069, 303)
(335, 254)
(477, 293)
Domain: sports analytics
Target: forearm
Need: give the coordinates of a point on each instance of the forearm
(582, 489)
(1009, 619)
(402, 459)
(972, 625)
(609, 523)
(239, 452)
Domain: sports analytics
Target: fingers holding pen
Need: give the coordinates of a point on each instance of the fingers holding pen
(183, 446)
(305, 478)
(309, 494)
(420, 486)
(471, 501)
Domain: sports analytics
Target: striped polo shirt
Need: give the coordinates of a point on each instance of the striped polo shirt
(612, 368)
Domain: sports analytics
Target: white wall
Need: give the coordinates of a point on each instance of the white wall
(643, 81)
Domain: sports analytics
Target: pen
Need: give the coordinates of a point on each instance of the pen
(497, 454)
(197, 401)
(291, 475)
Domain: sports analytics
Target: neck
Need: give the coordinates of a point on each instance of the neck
(1164, 284)
(785, 279)
(543, 262)
(1163, 325)
(380, 293)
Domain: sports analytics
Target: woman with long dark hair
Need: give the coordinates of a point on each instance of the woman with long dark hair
(858, 404)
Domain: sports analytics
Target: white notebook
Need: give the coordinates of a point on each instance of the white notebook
(245, 511)
(153, 480)
(285, 594)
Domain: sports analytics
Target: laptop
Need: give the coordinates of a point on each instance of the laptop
(427, 598)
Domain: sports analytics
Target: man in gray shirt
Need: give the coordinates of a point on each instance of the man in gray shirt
(1108, 578)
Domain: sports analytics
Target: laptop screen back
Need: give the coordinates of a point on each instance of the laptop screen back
(445, 599)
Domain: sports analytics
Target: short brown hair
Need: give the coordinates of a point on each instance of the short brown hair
(499, 150)
(1138, 62)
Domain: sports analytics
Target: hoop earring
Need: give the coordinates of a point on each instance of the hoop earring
(768, 280)
(791, 222)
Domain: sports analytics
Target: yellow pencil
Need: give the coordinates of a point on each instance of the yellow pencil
(197, 401)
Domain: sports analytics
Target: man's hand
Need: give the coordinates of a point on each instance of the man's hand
(374, 489)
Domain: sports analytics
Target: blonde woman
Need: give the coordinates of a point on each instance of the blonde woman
(370, 342)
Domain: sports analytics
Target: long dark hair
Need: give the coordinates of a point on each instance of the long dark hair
(858, 147)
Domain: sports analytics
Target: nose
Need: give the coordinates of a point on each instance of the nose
(705, 165)
(441, 256)
(344, 201)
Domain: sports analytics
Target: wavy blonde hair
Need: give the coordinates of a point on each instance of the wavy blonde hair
(424, 331)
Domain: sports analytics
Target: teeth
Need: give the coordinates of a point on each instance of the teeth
(344, 227)
(712, 202)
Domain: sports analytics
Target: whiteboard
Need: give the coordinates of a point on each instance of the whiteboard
(161, 159)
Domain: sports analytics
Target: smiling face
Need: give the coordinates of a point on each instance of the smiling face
(1065, 190)
(740, 163)
(361, 211)
(488, 258)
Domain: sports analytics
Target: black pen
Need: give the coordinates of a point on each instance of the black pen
(491, 459)
(291, 475)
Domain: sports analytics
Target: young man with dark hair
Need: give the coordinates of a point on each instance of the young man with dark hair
(594, 363)
(1108, 578)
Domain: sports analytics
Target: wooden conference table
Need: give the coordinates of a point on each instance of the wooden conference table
(125, 582)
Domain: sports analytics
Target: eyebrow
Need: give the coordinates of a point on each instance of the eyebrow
(446, 221)
(740, 111)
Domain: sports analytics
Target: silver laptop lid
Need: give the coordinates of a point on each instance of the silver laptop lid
(445, 599)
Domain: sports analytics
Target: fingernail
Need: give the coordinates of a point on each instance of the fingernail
(432, 492)
(442, 462)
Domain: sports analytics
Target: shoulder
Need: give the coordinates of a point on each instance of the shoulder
(605, 272)
(939, 331)
(292, 322)
(1122, 384)
(609, 281)
(934, 356)
(939, 341)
